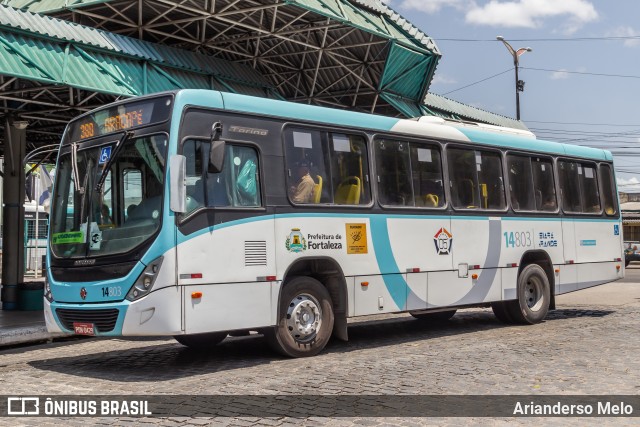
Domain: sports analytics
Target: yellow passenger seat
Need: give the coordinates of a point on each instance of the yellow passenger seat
(317, 190)
(348, 192)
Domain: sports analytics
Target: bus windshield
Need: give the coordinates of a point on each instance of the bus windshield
(86, 222)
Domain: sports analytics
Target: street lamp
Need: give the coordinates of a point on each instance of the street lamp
(519, 83)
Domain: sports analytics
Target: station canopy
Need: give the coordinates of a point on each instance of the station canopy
(61, 58)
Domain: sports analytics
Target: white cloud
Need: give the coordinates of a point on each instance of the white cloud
(511, 13)
(530, 13)
(443, 79)
(560, 74)
(431, 6)
(627, 31)
(628, 185)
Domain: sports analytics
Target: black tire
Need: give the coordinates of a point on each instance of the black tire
(534, 296)
(438, 316)
(502, 312)
(205, 341)
(300, 297)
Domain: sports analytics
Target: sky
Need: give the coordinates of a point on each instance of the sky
(582, 77)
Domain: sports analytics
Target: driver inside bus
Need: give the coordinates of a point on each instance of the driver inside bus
(302, 191)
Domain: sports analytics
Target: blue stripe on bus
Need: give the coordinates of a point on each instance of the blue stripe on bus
(387, 265)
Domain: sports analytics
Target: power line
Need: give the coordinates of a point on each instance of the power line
(581, 124)
(562, 39)
(479, 81)
(582, 72)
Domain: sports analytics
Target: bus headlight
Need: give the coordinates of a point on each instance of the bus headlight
(47, 289)
(145, 282)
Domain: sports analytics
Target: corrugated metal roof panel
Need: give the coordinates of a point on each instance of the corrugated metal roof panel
(467, 112)
(405, 72)
(46, 6)
(63, 30)
(406, 106)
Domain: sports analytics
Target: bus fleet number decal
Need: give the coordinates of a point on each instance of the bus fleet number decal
(518, 239)
(112, 291)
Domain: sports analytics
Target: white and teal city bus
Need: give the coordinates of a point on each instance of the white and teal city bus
(198, 213)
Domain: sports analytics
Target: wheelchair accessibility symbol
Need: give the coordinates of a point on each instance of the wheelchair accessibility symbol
(105, 155)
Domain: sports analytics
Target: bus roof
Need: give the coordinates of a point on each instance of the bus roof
(489, 135)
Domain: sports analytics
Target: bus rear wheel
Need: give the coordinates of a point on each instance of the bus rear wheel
(501, 310)
(534, 296)
(305, 318)
(201, 341)
(438, 316)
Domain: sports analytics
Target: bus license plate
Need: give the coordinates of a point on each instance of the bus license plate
(83, 328)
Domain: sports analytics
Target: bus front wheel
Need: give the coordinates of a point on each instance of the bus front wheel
(201, 341)
(534, 295)
(305, 318)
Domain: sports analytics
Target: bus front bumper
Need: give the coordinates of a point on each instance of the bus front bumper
(158, 313)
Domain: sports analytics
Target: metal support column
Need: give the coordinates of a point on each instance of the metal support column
(13, 214)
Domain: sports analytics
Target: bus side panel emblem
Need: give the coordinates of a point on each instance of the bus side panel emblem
(295, 241)
(443, 241)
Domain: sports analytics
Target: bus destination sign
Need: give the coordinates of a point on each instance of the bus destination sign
(121, 117)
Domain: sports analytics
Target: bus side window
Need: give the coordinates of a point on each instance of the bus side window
(349, 169)
(307, 166)
(543, 184)
(426, 169)
(608, 190)
(193, 151)
(570, 187)
(489, 167)
(521, 191)
(393, 173)
(463, 178)
(241, 178)
(589, 189)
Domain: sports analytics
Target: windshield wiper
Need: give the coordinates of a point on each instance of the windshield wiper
(74, 168)
(107, 166)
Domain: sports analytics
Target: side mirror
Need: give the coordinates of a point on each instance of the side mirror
(177, 187)
(216, 157)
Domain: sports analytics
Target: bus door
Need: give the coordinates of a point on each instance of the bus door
(477, 186)
(225, 242)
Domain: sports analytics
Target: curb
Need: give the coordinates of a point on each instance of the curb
(11, 336)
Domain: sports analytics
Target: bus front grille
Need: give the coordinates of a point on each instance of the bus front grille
(104, 320)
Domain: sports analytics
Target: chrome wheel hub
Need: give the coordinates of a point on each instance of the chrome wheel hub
(533, 293)
(304, 318)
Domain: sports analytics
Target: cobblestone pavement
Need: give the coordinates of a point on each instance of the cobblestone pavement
(579, 349)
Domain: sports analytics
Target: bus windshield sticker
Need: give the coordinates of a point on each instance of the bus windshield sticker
(579, 170)
(356, 238)
(424, 155)
(588, 173)
(67, 237)
(96, 237)
(341, 143)
(478, 158)
(302, 140)
(105, 155)
(542, 168)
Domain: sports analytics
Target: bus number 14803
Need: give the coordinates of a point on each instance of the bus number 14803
(518, 239)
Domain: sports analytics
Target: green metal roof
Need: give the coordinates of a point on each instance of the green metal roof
(439, 105)
(47, 6)
(51, 50)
